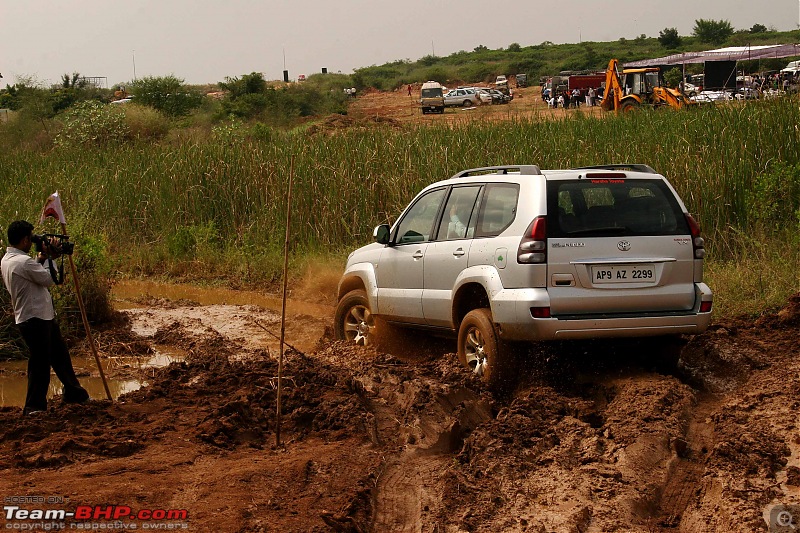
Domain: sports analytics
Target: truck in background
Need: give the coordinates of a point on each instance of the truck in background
(570, 82)
(432, 97)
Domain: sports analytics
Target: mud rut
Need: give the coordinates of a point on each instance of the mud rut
(594, 437)
(618, 441)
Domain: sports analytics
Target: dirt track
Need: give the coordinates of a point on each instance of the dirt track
(594, 438)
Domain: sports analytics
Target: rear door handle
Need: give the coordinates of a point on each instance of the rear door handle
(418, 254)
(459, 252)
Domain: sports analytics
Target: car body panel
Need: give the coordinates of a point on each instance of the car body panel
(446, 260)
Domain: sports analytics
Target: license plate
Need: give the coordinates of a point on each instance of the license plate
(624, 274)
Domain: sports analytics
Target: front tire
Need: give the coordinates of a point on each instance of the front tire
(353, 321)
(480, 350)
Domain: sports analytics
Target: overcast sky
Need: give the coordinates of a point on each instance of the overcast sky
(203, 41)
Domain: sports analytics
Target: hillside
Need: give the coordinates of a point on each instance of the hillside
(545, 59)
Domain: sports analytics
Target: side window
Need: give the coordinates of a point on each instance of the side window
(458, 221)
(499, 209)
(417, 224)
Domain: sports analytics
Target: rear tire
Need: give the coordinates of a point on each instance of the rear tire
(665, 352)
(628, 105)
(467, 103)
(481, 351)
(353, 321)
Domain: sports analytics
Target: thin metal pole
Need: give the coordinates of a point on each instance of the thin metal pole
(283, 306)
(86, 320)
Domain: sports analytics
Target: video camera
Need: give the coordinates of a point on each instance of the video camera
(64, 246)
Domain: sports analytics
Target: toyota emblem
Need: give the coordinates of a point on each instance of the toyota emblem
(624, 246)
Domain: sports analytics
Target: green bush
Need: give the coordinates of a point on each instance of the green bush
(252, 83)
(245, 106)
(167, 94)
(673, 77)
(199, 241)
(92, 123)
(145, 122)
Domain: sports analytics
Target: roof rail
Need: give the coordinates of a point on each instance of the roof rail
(634, 167)
(502, 169)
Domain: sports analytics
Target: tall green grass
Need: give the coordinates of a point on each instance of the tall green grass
(217, 206)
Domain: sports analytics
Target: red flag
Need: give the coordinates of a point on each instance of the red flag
(52, 208)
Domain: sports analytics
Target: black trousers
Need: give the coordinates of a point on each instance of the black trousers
(48, 349)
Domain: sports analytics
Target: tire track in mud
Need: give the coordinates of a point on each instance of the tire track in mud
(407, 490)
(688, 464)
(424, 422)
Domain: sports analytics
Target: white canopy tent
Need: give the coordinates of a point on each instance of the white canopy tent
(731, 53)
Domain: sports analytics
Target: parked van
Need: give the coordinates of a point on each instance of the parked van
(432, 97)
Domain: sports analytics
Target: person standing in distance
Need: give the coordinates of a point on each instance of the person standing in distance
(27, 280)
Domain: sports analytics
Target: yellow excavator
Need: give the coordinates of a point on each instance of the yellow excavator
(633, 88)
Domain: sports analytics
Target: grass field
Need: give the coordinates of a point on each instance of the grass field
(214, 209)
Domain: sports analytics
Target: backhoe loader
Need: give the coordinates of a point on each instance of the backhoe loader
(637, 87)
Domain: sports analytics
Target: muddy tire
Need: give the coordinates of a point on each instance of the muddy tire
(466, 103)
(482, 352)
(664, 352)
(353, 321)
(628, 106)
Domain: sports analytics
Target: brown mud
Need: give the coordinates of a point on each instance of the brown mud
(594, 437)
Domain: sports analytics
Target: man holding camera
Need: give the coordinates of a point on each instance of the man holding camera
(27, 280)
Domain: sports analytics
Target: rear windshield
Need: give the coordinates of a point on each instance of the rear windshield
(432, 93)
(613, 207)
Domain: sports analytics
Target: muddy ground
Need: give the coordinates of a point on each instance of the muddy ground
(397, 107)
(595, 436)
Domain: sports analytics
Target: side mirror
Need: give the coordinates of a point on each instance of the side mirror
(381, 234)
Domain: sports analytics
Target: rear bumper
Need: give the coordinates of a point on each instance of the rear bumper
(511, 311)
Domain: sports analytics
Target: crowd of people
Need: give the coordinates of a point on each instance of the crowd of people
(590, 97)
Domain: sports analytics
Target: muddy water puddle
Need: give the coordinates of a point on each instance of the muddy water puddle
(124, 374)
(219, 312)
(129, 293)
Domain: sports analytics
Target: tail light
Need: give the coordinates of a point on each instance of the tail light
(705, 307)
(698, 243)
(533, 246)
(540, 312)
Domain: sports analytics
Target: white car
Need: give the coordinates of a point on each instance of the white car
(690, 89)
(485, 96)
(461, 97)
(707, 97)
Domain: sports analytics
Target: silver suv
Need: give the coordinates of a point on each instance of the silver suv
(515, 253)
(465, 97)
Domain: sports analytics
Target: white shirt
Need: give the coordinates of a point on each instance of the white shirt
(27, 282)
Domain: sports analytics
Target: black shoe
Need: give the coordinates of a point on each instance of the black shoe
(78, 395)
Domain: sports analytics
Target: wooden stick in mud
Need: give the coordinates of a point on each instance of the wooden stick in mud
(259, 324)
(283, 306)
(85, 319)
